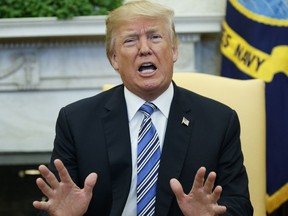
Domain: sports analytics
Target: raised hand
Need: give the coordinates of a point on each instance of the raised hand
(202, 199)
(64, 197)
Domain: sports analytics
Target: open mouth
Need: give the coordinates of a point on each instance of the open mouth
(147, 68)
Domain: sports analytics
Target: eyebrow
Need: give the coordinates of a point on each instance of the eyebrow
(136, 33)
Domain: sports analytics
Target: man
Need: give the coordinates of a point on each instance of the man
(100, 135)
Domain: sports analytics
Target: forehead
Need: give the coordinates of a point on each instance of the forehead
(141, 26)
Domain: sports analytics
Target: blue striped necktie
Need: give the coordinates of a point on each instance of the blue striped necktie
(148, 158)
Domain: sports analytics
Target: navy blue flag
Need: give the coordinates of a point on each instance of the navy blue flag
(255, 45)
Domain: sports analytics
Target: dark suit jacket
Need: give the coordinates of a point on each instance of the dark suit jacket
(92, 135)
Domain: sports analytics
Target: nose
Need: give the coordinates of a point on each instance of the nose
(144, 47)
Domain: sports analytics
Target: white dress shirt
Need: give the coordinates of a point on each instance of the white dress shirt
(159, 119)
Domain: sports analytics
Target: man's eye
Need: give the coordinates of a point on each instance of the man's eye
(130, 41)
(156, 38)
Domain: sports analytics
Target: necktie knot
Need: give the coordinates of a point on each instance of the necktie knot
(148, 108)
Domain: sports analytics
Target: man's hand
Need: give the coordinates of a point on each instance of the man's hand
(202, 199)
(64, 197)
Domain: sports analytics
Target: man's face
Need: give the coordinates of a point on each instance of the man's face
(144, 56)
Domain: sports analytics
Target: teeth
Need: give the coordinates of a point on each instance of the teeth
(147, 71)
(146, 64)
(147, 68)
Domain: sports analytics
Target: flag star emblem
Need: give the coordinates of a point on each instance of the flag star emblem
(185, 121)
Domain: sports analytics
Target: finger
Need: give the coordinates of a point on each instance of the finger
(40, 205)
(48, 176)
(90, 182)
(45, 189)
(216, 194)
(209, 183)
(62, 171)
(199, 178)
(177, 189)
(219, 210)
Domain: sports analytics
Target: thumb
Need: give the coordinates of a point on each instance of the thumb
(90, 182)
(176, 188)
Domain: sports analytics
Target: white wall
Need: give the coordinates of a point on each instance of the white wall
(46, 78)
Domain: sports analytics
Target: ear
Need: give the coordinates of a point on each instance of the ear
(114, 60)
(175, 53)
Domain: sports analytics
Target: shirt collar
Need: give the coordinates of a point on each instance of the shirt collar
(163, 102)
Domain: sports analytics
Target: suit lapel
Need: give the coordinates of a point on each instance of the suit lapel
(116, 128)
(174, 150)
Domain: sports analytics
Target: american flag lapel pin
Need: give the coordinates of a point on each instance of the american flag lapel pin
(185, 121)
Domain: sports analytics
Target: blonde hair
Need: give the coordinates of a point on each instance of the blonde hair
(137, 9)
